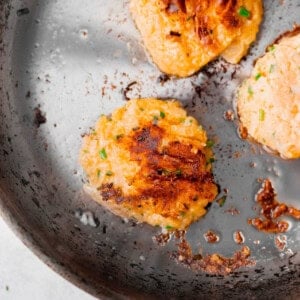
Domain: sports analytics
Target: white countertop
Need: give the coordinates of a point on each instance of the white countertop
(24, 276)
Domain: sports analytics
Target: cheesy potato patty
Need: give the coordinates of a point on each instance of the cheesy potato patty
(269, 101)
(149, 161)
(184, 35)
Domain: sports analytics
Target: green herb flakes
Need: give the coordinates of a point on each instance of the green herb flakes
(261, 115)
(109, 173)
(178, 172)
(210, 160)
(272, 68)
(169, 227)
(165, 172)
(244, 12)
(271, 48)
(103, 154)
(98, 173)
(257, 76)
(162, 114)
(210, 143)
(222, 201)
(250, 91)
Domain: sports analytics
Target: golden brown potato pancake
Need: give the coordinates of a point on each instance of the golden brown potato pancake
(269, 100)
(184, 35)
(149, 161)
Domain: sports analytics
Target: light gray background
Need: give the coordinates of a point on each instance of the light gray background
(24, 276)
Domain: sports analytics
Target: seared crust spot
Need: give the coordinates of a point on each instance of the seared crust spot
(167, 173)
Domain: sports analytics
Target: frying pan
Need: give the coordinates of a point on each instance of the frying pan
(63, 63)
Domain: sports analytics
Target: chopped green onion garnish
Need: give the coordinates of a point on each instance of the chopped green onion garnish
(221, 201)
(244, 12)
(261, 115)
(103, 154)
(155, 120)
(271, 48)
(98, 173)
(272, 67)
(250, 91)
(210, 143)
(178, 172)
(165, 172)
(258, 75)
(210, 160)
(168, 227)
(109, 173)
(162, 114)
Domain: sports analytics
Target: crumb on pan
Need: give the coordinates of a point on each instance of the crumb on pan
(212, 263)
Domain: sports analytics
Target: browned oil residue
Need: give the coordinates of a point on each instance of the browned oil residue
(211, 237)
(232, 210)
(271, 210)
(238, 237)
(162, 239)
(243, 132)
(229, 115)
(212, 263)
(280, 242)
(39, 118)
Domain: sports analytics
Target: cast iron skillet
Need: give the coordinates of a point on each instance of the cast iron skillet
(63, 63)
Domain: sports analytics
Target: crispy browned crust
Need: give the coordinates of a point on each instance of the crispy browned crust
(290, 33)
(225, 13)
(167, 173)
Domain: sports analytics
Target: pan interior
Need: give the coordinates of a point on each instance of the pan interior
(69, 63)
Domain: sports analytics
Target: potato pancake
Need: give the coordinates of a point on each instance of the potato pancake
(184, 35)
(269, 101)
(149, 161)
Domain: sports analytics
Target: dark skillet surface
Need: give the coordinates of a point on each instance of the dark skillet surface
(74, 62)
